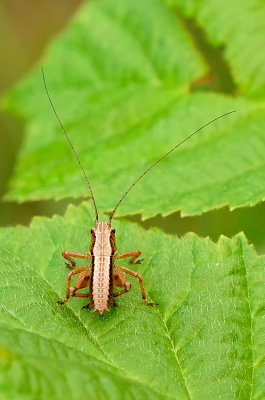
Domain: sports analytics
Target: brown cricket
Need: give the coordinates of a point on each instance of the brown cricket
(102, 274)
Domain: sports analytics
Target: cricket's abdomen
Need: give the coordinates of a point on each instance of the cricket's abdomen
(101, 283)
(102, 269)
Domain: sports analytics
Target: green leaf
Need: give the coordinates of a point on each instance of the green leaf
(238, 26)
(204, 340)
(120, 79)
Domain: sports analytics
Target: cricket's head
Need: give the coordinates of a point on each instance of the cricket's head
(103, 231)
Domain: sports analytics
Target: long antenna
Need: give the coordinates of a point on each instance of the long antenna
(72, 147)
(164, 156)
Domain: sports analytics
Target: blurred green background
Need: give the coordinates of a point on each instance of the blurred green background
(26, 27)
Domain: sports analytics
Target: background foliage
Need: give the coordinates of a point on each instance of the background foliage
(148, 105)
(129, 80)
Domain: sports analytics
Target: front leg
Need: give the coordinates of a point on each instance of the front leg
(69, 254)
(134, 254)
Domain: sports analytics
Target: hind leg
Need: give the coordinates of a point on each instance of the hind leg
(83, 281)
(120, 281)
(136, 275)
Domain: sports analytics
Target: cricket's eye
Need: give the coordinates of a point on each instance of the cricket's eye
(91, 230)
(113, 230)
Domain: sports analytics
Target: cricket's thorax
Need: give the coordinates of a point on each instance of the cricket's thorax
(102, 267)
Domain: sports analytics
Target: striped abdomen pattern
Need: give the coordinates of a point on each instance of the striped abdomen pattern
(102, 252)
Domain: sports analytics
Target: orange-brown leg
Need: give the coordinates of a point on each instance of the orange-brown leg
(69, 254)
(134, 254)
(82, 281)
(120, 281)
(80, 295)
(136, 275)
(126, 289)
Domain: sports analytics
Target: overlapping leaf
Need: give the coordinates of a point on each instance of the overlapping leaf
(120, 77)
(204, 340)
(239, 27)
